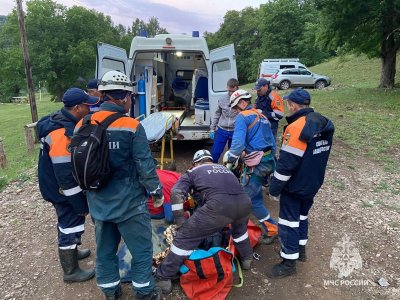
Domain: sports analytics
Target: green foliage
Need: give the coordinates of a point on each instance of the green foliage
(152, 27)
(3, 19)
(278, 29)
(12, 74)
(62, 46)
(370, 27)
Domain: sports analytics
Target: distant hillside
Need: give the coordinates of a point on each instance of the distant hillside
(3, 19)
(356, 71)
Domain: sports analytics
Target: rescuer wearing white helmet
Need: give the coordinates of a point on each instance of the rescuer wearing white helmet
(119, 209)
(221, 201)
(254, 143)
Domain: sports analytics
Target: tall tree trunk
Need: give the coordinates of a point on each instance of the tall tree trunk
(388, 69)
(60, 93)
(389, 46)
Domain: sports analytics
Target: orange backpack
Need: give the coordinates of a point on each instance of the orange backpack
(207, 274)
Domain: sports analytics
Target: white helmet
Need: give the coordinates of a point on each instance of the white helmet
(225, 160)
(115, 80)
(200, 155)
(237, 96)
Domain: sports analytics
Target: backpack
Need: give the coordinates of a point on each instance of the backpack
(89, 153)
(207, 274)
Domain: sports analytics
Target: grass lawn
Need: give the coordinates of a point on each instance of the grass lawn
(13, 118)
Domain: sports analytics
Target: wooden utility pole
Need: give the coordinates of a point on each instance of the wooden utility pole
(3, 158)
(27, 62)
(28, 137)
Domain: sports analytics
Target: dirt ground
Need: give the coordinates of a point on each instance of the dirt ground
(358, 200)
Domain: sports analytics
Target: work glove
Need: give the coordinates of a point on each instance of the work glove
(157, 200)
(212, 134)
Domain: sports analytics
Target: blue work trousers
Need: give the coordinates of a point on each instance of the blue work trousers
(70, 226)
(221, 138)
(251, 181)
(136, 232)
(293, 224)
(274, 128)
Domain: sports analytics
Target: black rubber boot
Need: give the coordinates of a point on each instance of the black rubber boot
(302, 254)
(246, 263)
(286, 268)
(154, 295)
(116, 295)
(70, 266)
(83, 253)
(164, 284)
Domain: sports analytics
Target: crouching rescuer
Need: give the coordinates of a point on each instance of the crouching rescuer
(119, 206)
(221, 201)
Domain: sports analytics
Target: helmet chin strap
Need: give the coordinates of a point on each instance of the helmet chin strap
(123, 101)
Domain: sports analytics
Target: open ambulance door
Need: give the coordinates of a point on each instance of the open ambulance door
(111, 58)
(223, 67)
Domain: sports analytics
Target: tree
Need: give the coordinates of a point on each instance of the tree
(280, 28)
(152, 27)
(62, 44)
(239, 28)
(12, 75)
(369, 26)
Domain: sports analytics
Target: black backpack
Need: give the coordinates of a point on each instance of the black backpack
(90, 152)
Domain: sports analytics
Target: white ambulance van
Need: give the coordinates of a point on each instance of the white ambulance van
(180, 74)
(270, 66)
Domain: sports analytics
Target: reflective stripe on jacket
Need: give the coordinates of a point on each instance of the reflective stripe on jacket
(56, 182)
(306, 145)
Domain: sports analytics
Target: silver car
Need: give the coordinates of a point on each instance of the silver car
(286, 78)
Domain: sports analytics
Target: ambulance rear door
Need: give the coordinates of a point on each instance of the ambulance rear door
(222, 68)
(111, 58)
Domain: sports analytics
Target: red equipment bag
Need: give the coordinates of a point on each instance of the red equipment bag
(254, 233)
(207, 274)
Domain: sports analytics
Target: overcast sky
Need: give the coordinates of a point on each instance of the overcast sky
(177, 16)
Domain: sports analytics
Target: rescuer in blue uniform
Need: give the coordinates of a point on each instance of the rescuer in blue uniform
(269, 103)
(300, 172)
(58, 186)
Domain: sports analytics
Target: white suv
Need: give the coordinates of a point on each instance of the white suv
(286, 78)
